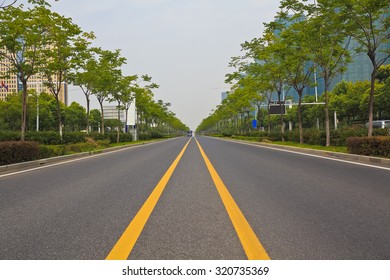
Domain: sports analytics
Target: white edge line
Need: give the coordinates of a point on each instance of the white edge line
(77, 159)
(306, 154)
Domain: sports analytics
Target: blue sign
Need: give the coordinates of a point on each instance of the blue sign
(254, 123)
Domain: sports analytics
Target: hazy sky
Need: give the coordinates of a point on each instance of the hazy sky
(185, 45)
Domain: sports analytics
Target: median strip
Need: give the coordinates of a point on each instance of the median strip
(249, 241)
(126, 242)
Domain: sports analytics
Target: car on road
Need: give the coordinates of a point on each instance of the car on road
(189, 133)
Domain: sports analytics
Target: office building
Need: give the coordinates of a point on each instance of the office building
(10, 85)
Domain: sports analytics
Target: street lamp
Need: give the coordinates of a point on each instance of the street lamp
(37, 91)
(135, 121)
(37, 111)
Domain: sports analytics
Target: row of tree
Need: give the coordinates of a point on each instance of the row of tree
(73, 116)
(306, 39)
(36, 41)
(42, 115)
(348, 99)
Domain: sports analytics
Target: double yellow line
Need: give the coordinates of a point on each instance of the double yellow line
(249, 241)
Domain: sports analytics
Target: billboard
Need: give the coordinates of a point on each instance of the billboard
(276, 108)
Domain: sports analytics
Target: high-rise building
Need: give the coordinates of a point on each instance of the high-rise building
(12, 84)
(361, 67)
(7, 85)
(224, 95)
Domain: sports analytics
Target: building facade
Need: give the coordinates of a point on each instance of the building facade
(10, 84)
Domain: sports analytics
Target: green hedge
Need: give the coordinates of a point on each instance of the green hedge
(123, 137)
(369, 146)
(9, 136)
(16, 151)
(314, 136)
(151, 135)
(53, 137)
(48, 151)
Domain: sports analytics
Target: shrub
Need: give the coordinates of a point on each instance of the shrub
(48, 151)
(227, 132)
(369, 146)
(292, 136)
(249, 138)
(103, 143)
(45, 151)
(44, 137)
(156, 135)
(97, 136)
(144, 136)
(80, 147)
(74, 137)
(16, 151)
(339, 137)
(272, 136)
(123, 137)
(9, 136)
(314, 137)
(126, 137)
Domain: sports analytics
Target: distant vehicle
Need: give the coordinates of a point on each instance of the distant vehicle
(380, 124)
(189, 133)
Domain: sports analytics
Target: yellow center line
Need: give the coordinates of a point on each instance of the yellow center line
(249, 241)
(126, 242)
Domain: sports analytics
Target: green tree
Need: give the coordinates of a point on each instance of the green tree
(65, 41)
(383, 73)
(368, 23)
(383, 100)
(269, 68)
(296, 54)
(144, 97)
(23, 35)
(48, 117)
(123, 95)
(347, 100)
(10, 111)
(75, 117)
(82, 73)
(328, 43)
(94, 119)
(107, 74)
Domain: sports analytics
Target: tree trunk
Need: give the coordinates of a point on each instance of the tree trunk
(59, 116)
(119, 119)
(102, 119)
(300, 126)
(269, 118)
(281, 116)
(371, 103)
(126, 119)
(327, 124)
(24, 111)
(88, 109)
(140, 122)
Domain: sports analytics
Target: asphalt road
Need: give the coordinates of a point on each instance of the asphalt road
(299, 207)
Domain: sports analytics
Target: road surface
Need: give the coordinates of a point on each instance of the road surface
(162, 201)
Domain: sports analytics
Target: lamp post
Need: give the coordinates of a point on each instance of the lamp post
(37, 91)
(37, 111)
(135, 121)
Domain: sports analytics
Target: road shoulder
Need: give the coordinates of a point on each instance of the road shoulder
(369, 160)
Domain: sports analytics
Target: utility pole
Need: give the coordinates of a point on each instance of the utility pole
(135, 121)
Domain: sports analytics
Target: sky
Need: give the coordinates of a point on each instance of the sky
(184, 45)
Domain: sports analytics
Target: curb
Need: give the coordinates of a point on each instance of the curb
(383, 162)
